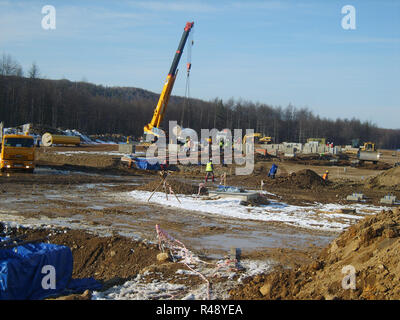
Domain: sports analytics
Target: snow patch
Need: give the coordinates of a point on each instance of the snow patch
(324, 217)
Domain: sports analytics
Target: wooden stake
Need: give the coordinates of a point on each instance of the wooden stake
(162, 181)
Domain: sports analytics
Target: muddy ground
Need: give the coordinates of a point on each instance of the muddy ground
(83, 195)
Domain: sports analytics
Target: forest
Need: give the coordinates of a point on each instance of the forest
(96, 109)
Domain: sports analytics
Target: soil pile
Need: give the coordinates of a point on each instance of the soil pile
(111, 260)
(375, 166)
(370, 248)
(178, 187)
(261, 200)
(303, 179)
(388, 179)
(306, 179)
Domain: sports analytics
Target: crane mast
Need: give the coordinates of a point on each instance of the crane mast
(153, 126)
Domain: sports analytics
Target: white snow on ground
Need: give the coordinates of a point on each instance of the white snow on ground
(106, 153)
(325, 217)
(137, 289)
(105, 142)
(9, 220)
(161, 289)
(85, 139)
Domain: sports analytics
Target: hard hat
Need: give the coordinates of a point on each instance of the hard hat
(327, 171)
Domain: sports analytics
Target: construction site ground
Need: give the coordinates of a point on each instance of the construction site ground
(83, 197)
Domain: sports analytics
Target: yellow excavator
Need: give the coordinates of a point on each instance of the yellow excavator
(258, 138)
(152, 128)
(368, 146)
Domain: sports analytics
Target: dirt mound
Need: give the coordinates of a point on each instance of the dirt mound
(375, 166)
(387, 179)
(178, 187)
(112, 260)
(261, 200)
(306, 179)
(303, 179)
(370, 249)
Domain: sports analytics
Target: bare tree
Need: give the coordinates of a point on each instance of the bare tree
(9, 66)
(34, 72)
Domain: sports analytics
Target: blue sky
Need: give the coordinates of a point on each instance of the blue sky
(275, 52)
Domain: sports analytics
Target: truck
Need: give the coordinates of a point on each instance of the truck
(17, 152)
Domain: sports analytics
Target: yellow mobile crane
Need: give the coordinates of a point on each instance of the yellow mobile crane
(152, 128)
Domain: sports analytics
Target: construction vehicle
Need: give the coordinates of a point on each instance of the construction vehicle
(357, 148)
(368, 146)
(368, 152)
(258, 138)
(17, 152)
(152, 128)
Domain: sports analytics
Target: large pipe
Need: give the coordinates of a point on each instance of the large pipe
(49, 139)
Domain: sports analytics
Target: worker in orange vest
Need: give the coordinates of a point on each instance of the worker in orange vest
(325, 176)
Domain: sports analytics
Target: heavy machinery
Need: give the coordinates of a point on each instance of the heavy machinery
(17, 152)
(368, 152)
(368, 146)
(258, 138)
(152, 128)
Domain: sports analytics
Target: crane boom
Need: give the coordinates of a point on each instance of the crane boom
(151, 128)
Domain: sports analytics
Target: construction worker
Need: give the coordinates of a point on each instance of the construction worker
(221, 145)
(209, 170)
(221, 151)
(209, 141)
(187, 146)
(325, 175)
(164, 165)
(272, 171)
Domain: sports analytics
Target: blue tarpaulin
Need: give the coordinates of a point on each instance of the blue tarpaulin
(143, 163)
(27, 272)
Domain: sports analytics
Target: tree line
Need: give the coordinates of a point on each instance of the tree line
(96, 109)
